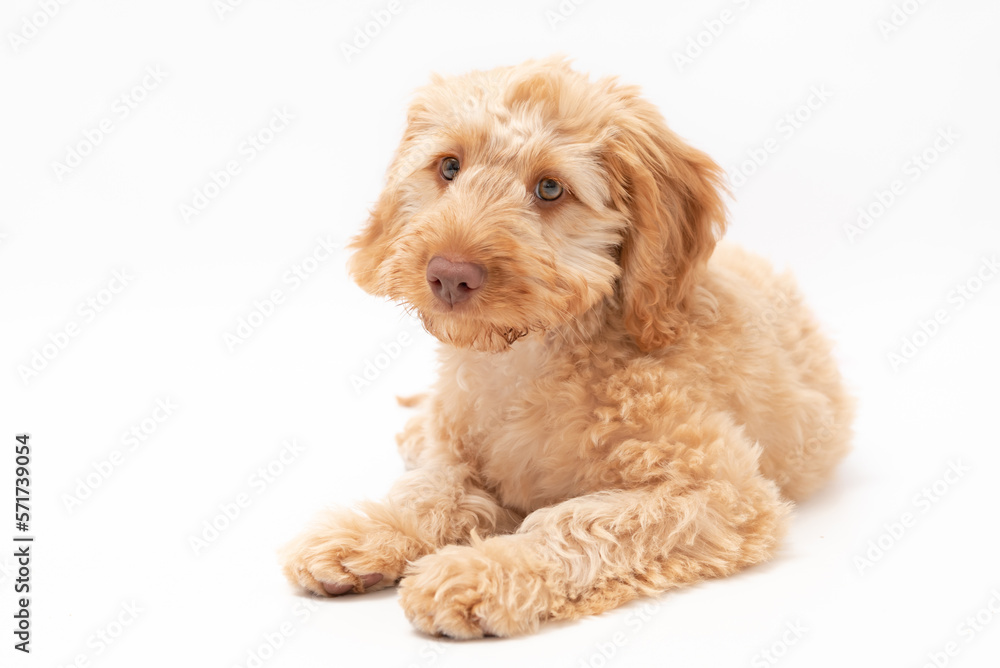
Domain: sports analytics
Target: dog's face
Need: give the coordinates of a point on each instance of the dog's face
(522, 197)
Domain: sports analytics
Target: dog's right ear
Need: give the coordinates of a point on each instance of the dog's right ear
(371, 246)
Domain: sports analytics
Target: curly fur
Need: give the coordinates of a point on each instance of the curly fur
(622, 408)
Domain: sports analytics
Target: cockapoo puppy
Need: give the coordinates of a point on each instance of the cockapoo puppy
(620, 409)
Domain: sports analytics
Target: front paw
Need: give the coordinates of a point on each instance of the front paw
(346, 552)
(467, 592)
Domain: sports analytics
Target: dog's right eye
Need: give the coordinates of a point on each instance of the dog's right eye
(449, 168)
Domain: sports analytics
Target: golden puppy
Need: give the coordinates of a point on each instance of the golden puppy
(620, 411)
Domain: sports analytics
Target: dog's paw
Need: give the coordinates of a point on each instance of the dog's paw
(463, 592)
(345, 552)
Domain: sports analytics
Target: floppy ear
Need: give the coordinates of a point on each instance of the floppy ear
(671, 195)
(371, 246)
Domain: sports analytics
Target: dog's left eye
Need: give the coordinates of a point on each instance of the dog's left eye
(449, 168)
(548, 190)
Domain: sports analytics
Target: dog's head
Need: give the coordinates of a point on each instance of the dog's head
(524, 196)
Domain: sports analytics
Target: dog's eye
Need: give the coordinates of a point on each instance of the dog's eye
(548, 190)
(449, 168)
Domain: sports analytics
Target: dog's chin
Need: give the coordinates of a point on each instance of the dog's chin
(463, 329)
(481, 337)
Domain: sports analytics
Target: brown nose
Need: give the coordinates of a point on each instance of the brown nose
(454, 282)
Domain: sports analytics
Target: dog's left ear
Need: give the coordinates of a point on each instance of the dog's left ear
(671, 194)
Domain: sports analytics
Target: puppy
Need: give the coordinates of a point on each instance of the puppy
(620, 410)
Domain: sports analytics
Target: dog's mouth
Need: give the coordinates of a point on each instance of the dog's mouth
(457, 309)
(463, 326)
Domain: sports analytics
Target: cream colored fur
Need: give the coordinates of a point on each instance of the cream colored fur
(622, 408)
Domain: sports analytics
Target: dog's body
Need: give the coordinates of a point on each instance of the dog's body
(616, 415)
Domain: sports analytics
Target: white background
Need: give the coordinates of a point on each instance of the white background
(888, 95)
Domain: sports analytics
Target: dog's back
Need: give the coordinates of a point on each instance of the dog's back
(785, 386)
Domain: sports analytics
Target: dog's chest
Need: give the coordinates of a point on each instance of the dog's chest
(524, 419)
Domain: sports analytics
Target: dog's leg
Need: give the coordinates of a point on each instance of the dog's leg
(427, 508)
(710, 514)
